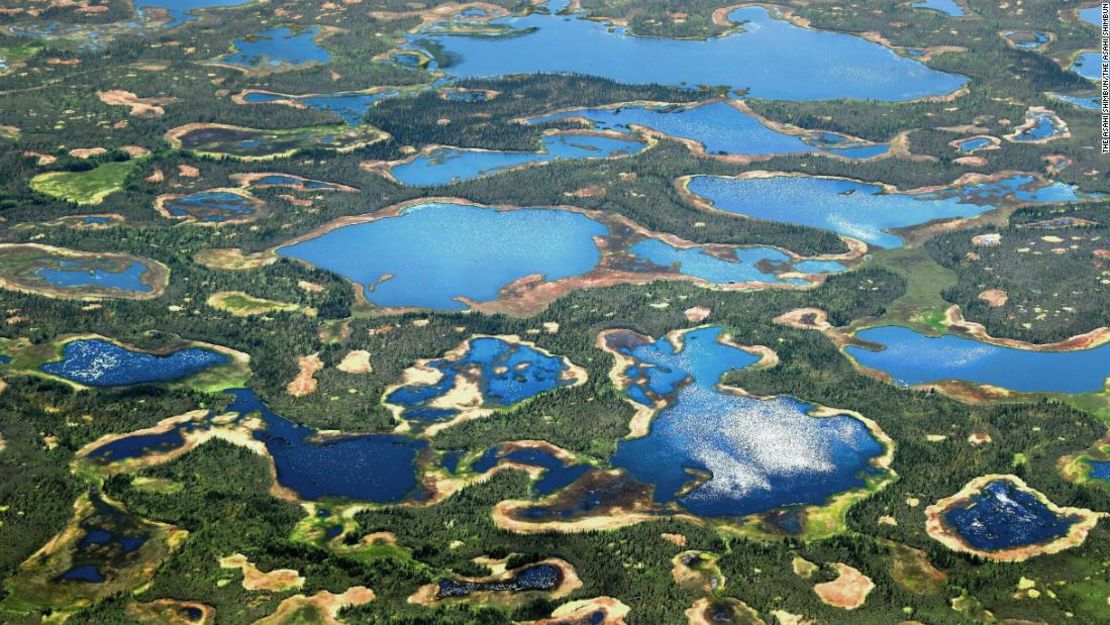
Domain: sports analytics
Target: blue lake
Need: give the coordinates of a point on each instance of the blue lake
(95, 220)
(84, 573)
(772, 57)
(756, 264)
(138, 445)
(968, 146)
(95, 362)
(1087, 102)
(211, 206)
(277, 47)
(719, 127)
(755, 454)
(281, 180)
(864, 211)
(1092, 15)
(71, 274)
(912, 358)
(446, 165)
(535, 577)
(1044, 126)
(948, 7)
(1088, 65)
(351, 107)
(379, 468)
(180, 11)
(435, 253)
(506, 374)
(1003, 517)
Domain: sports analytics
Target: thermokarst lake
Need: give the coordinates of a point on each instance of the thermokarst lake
(719, 453)
(771, 58)
(445, 256)
(273, 48)
(212, 207)
(866, 211)
(720, 127)
(447, 165)
(97, 362)
(913, 358)
(181, 11)
(350, 106)
(486, 372)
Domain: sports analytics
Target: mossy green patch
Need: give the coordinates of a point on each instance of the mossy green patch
(241, 304)
(84, 187)
(921, 307)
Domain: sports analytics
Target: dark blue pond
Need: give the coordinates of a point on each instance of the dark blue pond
(71, 274)
(1004, 517)
(142, 444)
(98, 536)
(276, 47)
(211, 206)
(351, 107)
(757, 454)
(913, 358)
(431, 254)
(97, 362)
(772, 57)
(864, 211)
(719, 127)
(180, 11)
(447, 165)
(450, 460)
(95, 219)
(558, 473)
(1100, 469)
(84, 573)
(379, 468)
(507, 374)
(537, 577)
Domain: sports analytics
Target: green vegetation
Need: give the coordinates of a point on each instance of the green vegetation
(84, 187)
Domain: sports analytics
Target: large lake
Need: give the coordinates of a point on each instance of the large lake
(864, 211)
(772, 58)
(757, 454)
(431, 254)
(913, 358)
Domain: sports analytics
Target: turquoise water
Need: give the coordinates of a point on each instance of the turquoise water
(719, 127)
(1045, 126)
(71, 274)
(211, 206)
(948, 7)
(350, 107)
(180, 11)
(507, 374)
(1087, 102)
(862, 210)
(1004, 517)
(96, 362)
(438, 252)
(968, 146)
(745, 268)
(447, 165)
(1088, 65)
(276, 47)
(760, 454)
(773, 58)
(913, 358)
(1092, 15)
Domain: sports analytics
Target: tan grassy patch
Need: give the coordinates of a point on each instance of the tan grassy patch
(848, 591)
(277, 580)
(305, 383)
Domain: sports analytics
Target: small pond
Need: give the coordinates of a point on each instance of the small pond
(75, 274)
(212, 206)
(739, 265)
(1088, 65)
(1045, 126)
(947, 7)
(96, 362)
(913, 358)
(558, 472)
(535, 577)
(181, 11)
(351, 107)
(1002, 516)
(276, 47)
